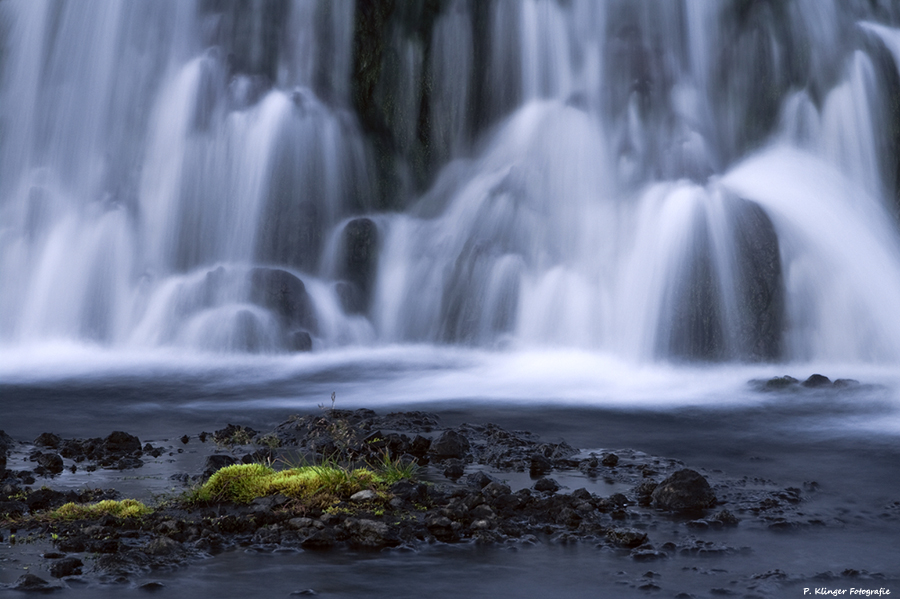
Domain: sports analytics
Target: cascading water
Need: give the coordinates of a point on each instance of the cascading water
(657, 180)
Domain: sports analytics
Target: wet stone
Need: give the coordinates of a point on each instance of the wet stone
(450, 445)
(684, 490)
(546, 485)
(67, 566)
(817, 381)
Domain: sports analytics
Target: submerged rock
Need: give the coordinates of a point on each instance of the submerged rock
(30, 582)
(780, 382)
(817, 381)
(286, 296)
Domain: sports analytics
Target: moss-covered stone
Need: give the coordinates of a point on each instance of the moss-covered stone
(242, 483)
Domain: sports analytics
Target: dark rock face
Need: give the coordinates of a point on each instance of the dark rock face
(385, 32)
(694, 322)
(761, 298)
(359, 248)
(698, 324)
(285, 295)
(758, 31)
(685, 490)
(450, 445)
(250, 33)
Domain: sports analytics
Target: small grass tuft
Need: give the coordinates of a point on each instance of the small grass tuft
(391, 471)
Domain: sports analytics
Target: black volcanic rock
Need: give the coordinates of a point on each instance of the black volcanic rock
(683, 491)
(450, 445)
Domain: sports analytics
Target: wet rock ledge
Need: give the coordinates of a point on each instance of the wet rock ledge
(416, 483)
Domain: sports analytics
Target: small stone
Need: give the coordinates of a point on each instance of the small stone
(780, 382)
(67, 566)
(610, 460)
(454, 470)
(298, 523)
(540, 465)
(162, 546)
(726, 518)
(546, 485)
(479, 479)
(364, 495)
(626, 537)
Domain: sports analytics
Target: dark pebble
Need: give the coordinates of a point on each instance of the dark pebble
(454, 470)
(546, 485)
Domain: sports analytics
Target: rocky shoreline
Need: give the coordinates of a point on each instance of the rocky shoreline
(473, 483)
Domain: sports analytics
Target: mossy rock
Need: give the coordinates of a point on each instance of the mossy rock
(243, 483)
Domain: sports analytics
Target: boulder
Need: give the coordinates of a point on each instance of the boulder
(684, 490)
(449, 445)
(285, 296)
(121, 442)
(50, 463)
(817, 381)
(48, 440)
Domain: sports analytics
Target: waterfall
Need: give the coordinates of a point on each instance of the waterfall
(663, 180)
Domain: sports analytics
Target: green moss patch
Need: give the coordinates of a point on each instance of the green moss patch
(243, 483)
(127, 508)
